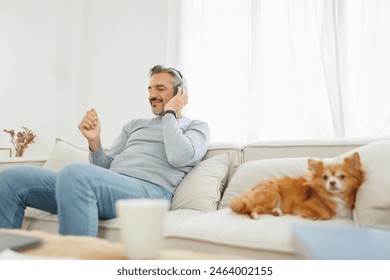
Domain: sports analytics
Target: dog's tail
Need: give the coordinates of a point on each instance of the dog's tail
(241, 205)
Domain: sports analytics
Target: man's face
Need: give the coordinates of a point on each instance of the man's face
(160, 92)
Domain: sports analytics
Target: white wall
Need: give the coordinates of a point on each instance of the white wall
(28, 69)
(59, 58)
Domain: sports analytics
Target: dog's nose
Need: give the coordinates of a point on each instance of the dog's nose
(332, 183)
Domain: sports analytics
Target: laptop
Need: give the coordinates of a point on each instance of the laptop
(18, 242)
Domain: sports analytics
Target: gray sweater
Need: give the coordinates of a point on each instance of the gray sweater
(161, 151)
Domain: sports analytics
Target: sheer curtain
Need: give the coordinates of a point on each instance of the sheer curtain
(286, 69)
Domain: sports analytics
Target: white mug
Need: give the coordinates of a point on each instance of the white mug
(141, 225)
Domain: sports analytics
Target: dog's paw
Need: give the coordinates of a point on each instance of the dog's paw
(277, 212)
(321, 216)
(324, 217)
(254, 216)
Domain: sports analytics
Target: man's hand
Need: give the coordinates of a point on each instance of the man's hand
(90, 128)
(178, 102)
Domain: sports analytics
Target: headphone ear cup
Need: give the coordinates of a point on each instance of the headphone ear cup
(175, 90)
(184, 87)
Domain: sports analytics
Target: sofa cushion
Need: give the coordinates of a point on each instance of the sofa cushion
(35, 219)
(235, 151)
(201, 188)
(250, 173)
(224, 227)
(65, 153)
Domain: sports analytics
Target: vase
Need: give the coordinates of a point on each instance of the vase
(19, 152)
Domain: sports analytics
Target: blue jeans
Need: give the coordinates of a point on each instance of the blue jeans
(80, 194)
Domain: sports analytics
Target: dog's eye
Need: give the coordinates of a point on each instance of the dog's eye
(325, 177)
(342, 176)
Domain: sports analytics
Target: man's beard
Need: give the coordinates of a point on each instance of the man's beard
(158, 113)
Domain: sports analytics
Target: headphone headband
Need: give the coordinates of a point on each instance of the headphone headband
(178, 73)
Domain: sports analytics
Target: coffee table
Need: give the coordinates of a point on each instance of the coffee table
(322, 242)
(92, 248)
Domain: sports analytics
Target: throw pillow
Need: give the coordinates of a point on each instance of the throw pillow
(250, 173)
(372, 207)
(201, 188)
(65, 153)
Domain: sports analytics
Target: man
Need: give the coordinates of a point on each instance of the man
(148, 160)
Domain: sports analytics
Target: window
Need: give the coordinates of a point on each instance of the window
(282, 69)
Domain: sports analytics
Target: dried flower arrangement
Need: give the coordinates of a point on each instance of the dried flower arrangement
(24, 138)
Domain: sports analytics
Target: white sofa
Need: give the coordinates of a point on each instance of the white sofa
(200, 219)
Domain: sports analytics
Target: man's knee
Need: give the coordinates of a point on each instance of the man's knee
(7, 178)
(14, 177)
(72, 177)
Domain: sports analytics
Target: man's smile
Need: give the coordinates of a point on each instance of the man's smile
(154, 101)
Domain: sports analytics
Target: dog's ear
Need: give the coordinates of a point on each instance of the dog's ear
(355, 166)
(315, 166)
(353, 161)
